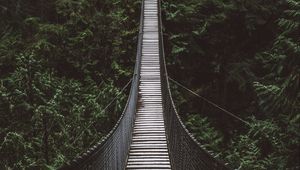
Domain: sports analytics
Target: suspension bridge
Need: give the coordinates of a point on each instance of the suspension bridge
(149, 134)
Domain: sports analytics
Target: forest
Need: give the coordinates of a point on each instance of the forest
(63, 61)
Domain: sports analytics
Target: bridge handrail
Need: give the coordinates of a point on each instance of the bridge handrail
(111, 152)
(185, 151)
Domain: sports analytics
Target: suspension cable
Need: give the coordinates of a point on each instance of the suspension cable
(107, 106)
(210, 102)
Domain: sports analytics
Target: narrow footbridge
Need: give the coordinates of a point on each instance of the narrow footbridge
(149, 133)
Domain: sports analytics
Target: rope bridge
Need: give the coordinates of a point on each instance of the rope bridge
(149, 133)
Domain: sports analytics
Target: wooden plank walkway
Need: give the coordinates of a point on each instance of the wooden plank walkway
(149, 148)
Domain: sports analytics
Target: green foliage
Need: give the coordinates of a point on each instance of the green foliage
(265, 146)
(244, 56)
(61, 62)
(245, 153)
(14, 142)
(203, 131)
(281, 64)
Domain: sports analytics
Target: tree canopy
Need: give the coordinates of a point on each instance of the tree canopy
(244, 56)
(63, 61)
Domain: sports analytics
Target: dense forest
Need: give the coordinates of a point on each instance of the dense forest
(63, 61)
(244, 56)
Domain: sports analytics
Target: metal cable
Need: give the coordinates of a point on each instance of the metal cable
(111, 152)
(185, 151)
(106, 107)
(210, 102)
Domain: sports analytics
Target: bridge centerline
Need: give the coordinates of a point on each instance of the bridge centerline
(149, 135)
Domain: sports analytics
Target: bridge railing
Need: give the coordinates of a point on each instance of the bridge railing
(185, 152)
(111, 152)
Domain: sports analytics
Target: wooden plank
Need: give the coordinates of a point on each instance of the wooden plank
(149, 149)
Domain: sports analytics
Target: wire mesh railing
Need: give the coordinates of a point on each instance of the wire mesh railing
(185, 152)
(111, 152)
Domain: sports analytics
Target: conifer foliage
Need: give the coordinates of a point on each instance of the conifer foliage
(61, 62)
(244, 56)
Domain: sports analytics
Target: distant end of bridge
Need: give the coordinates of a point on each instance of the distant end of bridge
(149, 133)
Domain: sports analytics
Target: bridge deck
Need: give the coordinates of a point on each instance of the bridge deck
(149, 149)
